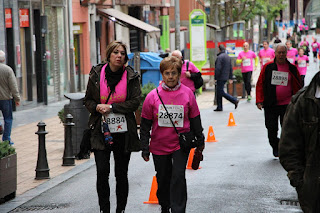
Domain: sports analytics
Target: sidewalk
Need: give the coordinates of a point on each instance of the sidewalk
(26, 141)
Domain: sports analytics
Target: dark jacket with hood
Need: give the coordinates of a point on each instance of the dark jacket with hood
(266, 92)
(299, 147)
(92, 99)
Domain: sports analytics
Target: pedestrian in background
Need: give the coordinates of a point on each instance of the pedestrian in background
(304, 42)
(277, 82)
(188, 71)
(315, 48)
(223, 72)
(266, 54)
(248, 60)
(8, 91)
(302, 62)
(169, 159)
(292, 53)
(299, 148)
(113, 94)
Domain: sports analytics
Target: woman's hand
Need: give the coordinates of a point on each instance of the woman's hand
(103, 109)
(145, 155)
(188, 74)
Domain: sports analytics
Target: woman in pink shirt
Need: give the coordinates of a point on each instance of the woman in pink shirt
(315, 47)
(266, 54)
(169, 159)
(302, 62)
(292, 53)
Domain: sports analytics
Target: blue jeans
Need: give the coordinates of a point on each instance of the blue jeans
(6, 109)
(221, 93)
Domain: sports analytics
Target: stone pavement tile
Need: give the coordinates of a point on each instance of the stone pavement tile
(26, 145)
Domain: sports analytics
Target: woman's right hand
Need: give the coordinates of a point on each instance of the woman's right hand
(145, 156)
(103, 108)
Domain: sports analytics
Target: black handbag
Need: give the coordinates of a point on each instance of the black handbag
(187, 140)
(197, 80)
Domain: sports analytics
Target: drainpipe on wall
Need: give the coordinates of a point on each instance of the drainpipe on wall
(71, 49)
(44, 24)
(177, 24)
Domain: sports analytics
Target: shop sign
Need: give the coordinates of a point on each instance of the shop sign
(24, 17)
(8, 16)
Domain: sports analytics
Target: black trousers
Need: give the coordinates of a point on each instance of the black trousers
(171, 178)
(221, 93)
(247, 81)
(121, 162)
(272, 115)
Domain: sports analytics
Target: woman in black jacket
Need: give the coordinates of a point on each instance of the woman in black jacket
(113, 95)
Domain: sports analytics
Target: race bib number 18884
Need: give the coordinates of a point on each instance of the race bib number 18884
(176, 113)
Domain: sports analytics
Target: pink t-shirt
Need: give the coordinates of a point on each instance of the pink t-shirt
(187, 81)
(284, 93)
(247, 64)
(266, 55)
(302, 64)
(315, 46)
(164, 140)
(302, 42)
(301, 27)
(291, 55)
(120, 93)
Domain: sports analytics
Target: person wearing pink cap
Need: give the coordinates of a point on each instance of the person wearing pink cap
(266, 54)
(249, 62)
(292, 53)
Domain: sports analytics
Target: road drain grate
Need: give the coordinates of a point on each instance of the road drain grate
(40, 208)
(290, 202)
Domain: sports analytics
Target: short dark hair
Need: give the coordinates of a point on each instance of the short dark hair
(265, 41)
(113, 45)
(171, 62)
(222, 47)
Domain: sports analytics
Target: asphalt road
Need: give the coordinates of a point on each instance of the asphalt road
(238, 174)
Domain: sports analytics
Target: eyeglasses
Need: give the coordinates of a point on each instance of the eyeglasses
(168, 73)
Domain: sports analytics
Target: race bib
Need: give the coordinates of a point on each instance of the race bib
(279, 78)
(265, 60)
(302, 64)
(176, 113)
(291, 60)
(246, 62)
(117, 122)
(315, 45)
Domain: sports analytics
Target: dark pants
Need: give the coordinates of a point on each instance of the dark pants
(247, 81)
(302, 79)
(221, 93)
(272, 115)
(171, 178)
(121, 161)
(6, 108)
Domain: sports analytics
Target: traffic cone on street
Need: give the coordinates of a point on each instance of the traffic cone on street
(211, 137)
(231, 120)
(190, 159)
(153, 199)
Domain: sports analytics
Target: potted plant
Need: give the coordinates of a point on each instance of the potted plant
(144, 92)
(8, 171)
(238, 83)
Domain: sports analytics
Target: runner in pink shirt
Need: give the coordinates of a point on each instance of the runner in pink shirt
(247, 59)
(302, 62)
(315, 47)
(304, 41)
(169, 159)
(292, 53)
(266, 54)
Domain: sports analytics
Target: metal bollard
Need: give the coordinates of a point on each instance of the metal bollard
(68, 156)
(42, 170)
(234, 80)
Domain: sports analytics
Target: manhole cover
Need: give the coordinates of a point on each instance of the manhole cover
(40, 207)
(290, 202)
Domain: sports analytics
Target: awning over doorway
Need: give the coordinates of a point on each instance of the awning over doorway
(128, 20)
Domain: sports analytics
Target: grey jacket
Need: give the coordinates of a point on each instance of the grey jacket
(223, 67)
(8, 84)
(299, 147)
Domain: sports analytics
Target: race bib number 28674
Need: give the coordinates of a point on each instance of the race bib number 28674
(176, 112)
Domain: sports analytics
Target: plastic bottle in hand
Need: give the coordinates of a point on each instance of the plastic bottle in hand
(106, 132)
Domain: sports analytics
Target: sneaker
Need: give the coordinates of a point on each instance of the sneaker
(275, 153)
(236, 104)
(217, 110)
(249, 97)
(11, 143)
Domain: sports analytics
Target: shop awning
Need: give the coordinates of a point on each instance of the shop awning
(125, 19)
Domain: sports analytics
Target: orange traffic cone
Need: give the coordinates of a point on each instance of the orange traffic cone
(211, 137)
(231, 120)
(153, 199)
